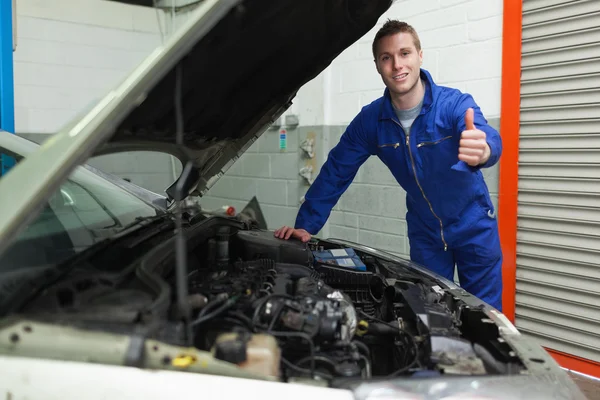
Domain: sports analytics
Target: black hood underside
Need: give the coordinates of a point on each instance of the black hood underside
(241, 76)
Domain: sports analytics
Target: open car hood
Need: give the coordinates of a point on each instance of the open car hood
(204, 96)
(232, 83)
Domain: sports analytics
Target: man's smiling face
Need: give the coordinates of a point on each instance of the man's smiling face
(399, 63)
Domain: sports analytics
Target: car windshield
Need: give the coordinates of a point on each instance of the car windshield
(83, 211)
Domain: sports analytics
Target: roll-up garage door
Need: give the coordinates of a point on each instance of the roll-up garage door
(558, 236)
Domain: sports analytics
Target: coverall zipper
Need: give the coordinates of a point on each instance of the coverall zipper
(412, 161)
(432, 143)
(394, 145)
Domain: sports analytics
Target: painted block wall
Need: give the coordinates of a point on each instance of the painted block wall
(270, 174)
(71, 52)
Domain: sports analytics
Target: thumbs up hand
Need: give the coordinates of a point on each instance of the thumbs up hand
(473, 148)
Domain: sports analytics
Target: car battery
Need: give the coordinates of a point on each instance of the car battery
(343, 258)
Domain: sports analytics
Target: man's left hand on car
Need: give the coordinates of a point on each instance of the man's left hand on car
(287, 232)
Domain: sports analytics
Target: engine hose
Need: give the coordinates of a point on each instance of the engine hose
(294, 270)
(308, 340)
(228, 304)
(377, 328)
(321, 359)
(490, 362)
(263, 301)
(305, 371)
(367, 366)
(362, 347)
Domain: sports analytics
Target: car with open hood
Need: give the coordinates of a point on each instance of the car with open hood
(108, 290)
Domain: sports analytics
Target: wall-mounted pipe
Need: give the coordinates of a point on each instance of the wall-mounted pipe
(7, 89)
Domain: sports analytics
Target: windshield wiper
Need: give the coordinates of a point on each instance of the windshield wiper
(142, 220)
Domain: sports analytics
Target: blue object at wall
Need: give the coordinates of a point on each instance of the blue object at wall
(7, 88)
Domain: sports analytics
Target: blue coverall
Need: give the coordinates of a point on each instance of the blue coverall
(450, 216)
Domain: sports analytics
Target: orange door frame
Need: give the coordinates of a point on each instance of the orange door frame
(510, 111)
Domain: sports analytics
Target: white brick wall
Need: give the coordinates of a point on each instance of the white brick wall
(462, 48)
(71, 52)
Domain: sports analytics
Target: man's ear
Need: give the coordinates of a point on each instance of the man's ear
(421, 56)
(377, 67)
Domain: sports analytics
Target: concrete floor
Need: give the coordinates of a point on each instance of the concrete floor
(589, 387)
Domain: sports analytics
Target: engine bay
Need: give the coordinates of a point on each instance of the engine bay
(332, 313)
(315, 312)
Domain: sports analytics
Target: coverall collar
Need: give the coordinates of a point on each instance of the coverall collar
(387, 110)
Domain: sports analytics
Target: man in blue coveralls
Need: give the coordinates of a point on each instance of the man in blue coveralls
(434, 140)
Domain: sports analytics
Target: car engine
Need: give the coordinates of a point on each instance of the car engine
(276, 307)
(317, 312)
(286, 301)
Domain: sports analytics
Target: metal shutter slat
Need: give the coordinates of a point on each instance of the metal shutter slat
(556, 197)
(562, 84)
(575, 227)
(590, 140)
(535, 301)
(561, 64)
(573, 186)
(532, 304)
(581, 111)
(544, 276)
(569, 156)
(535, 6)
(569, 126)
(545, 250)
(571, 322)
(540, 11)
(565, 170)
(559, 211)
(586, 17)
(550, 335)
(562, 266)
(566, 40)
(564, 98)
(558, 239)
(558, 292)
(547, 329)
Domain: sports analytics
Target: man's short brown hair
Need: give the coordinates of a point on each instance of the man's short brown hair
(392, 27)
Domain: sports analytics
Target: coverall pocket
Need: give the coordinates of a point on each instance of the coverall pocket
(437, 155)
(484, 235)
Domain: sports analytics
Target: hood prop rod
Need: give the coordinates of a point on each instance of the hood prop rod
(181, 266)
